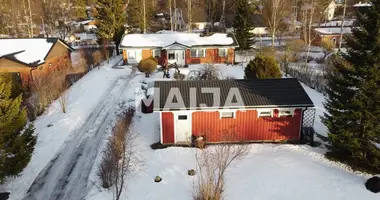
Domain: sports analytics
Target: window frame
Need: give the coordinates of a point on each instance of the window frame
(227, 117)
(154, 51)
(129, 52)
(224, 54)
(197, 54)
(261, 111)
(291, 114)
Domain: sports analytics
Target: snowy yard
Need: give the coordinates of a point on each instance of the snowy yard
(269, 171)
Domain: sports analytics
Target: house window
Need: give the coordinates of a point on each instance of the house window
(196, 53)
(131, 54)
(157, 53)
(171, 56)
(227, 114)
(222, 53)
(265, 113)
(286, 113)
(182, 117)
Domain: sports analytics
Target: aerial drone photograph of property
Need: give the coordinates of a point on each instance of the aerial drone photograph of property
(189, 99)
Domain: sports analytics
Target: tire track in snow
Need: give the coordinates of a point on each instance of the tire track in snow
(66, 175)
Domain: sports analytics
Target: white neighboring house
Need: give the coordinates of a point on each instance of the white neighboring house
(88, 25)
(83, 39)
(330, 11)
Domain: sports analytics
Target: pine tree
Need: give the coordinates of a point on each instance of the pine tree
(110, 20)
(80, 9)
(263, 66)
(16, 147)
(353, 102)
(241, 24)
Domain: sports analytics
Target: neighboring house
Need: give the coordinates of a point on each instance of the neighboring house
(200, 26)
(330, 11)
(330, 34)
(35, 57)
(88, 25)
(259, 27)
(83, 39)
(179, 48)
(265, 110)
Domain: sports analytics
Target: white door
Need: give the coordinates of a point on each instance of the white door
(176, 56)
(183, 127)
(180, 57)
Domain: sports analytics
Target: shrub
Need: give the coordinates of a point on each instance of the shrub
(178, 76)
(157, 179)
(262, 67)
(208, 72)
(147, 65)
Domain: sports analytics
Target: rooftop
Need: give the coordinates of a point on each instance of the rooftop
(29, 51)
(254, 94)
(187, 39)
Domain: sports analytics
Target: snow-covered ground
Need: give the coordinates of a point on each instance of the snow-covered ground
(269, 171)
(55, 129)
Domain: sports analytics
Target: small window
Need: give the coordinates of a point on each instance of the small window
(286, 113)
(196, 53)
(229, 114)
(182, 117)
(131, 54)
(202, 53)
(222, 53)
(157, 53)
(264, 113)
(171, 56)
(193, 53)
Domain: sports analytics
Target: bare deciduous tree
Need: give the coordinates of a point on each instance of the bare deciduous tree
(212, 164)
(119, 156)
(274, 12)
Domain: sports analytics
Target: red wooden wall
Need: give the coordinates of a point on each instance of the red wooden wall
(247, 126)
(167, 120)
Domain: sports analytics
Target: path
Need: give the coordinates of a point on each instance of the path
(66, 175)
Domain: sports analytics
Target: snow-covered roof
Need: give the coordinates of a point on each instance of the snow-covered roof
(187, 39)
(28, 51)
(86, 36)
(333, 30)
(360, 4)
(347, 22)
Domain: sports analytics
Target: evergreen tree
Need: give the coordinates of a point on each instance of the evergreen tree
(80, 9)
(110, 20)
(353, 102)
(16, 147)
(263, 66)
(241, 24)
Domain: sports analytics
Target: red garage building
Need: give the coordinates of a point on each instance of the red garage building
(266, 110)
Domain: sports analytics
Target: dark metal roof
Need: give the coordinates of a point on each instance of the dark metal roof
(258, 93)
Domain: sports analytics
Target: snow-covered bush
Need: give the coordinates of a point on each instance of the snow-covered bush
(207, 72)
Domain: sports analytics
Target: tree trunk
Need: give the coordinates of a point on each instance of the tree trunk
(342, 25)
(171, 15)
(144, 16)
(189, 10)
(175, 15)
